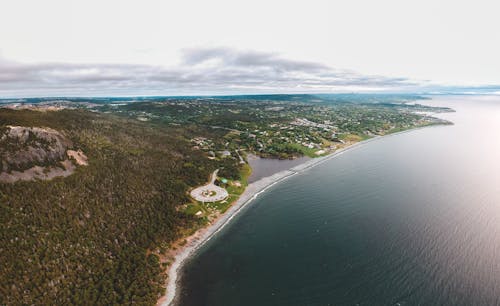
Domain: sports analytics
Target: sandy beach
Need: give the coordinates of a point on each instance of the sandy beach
(195, 241)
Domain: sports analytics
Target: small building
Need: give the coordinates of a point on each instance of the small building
(237, 184)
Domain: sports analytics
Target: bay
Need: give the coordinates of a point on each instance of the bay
(410, 219)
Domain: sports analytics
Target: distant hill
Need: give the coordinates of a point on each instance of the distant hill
(323, 98)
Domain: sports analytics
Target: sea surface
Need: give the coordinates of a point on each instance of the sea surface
(410, 219)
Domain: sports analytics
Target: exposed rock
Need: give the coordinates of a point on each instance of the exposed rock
(28, 153)
(78, 156)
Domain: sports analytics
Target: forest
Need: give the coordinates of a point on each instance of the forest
(84, 239)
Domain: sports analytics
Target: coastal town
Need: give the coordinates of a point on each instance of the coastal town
(280, 129)
(249, 153)
(182, 163)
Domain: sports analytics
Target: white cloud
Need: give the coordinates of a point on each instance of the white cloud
(230, 70)
(448, 42)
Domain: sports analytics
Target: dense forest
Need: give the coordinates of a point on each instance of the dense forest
(84, 239)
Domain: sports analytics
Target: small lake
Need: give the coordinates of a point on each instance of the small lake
(263, 167)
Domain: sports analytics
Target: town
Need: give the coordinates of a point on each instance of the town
(273, 128)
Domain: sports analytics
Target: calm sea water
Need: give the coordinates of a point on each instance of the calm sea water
(412, 219)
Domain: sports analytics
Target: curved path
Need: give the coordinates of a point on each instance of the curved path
(210, 192)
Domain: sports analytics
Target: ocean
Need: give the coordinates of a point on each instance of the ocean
(409, 219)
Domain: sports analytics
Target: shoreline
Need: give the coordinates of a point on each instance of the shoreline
(252, 191)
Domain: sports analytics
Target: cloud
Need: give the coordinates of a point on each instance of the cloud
(201, 71)
(248, 59)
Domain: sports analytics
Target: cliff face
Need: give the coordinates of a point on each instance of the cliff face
(32, 152)
(24, 147)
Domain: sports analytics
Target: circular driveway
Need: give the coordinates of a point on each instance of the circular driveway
(210, 192)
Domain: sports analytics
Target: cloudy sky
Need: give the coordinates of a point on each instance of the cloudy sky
(171, 47)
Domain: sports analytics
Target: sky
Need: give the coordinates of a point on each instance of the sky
(170, 47)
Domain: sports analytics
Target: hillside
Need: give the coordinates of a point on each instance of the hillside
(83, 239)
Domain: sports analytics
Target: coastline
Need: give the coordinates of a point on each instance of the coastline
(252, 191)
